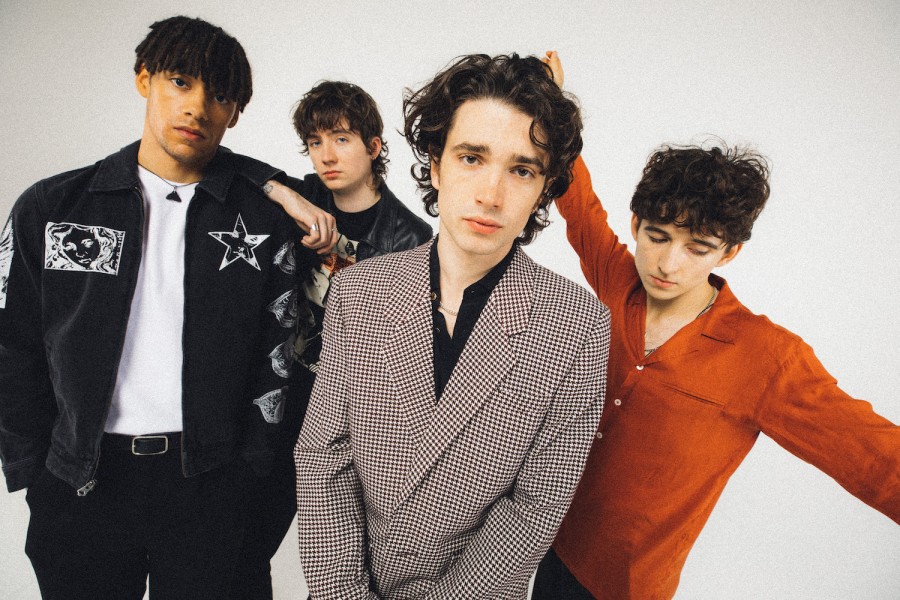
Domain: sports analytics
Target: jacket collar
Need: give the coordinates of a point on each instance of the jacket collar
(119, 172)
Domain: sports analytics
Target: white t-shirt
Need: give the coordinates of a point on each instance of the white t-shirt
(147, 395)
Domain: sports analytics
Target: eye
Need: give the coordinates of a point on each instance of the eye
(221, 99)
(523, 172)
(699, 251)
(313, 143)
(657, 240)
(469, 159)
(178, 81)
(342, 140)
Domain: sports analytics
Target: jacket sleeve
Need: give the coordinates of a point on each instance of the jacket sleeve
(806, 413)
(27, 406)
(331, 517)
(501, 557)
(275, 354)
(604, 259)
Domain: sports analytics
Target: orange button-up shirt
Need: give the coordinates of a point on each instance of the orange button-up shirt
(678, 422)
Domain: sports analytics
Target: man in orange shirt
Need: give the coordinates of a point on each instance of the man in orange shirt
(693, 378)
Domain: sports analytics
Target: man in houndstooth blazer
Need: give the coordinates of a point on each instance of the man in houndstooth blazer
(461, 383)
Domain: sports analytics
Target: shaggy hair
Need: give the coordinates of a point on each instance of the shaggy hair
(715, 191)
(523, 83)
(330, 102)
(199, 49)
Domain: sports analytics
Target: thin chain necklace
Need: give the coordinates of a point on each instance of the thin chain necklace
(452, 313)
(173, 195)
(649, 351)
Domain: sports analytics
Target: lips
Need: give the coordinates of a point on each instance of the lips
(330, 174)
(661, 283)
(191, 134)
(486, 226)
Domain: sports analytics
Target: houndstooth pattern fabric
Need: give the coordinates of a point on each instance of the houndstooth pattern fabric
(400, 496)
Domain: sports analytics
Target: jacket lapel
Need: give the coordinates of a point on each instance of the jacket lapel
(409, 352)
(488, 356)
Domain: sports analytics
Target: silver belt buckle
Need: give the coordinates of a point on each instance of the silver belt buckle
(150, 437)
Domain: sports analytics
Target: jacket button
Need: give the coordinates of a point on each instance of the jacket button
(640, 367)
(599, 435)
(617, 402)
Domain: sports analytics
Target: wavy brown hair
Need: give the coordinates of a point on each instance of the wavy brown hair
(523, 83)
(717, 191)
(199, 49)
(328, 103)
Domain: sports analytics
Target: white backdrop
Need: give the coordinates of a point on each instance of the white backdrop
(815, 88)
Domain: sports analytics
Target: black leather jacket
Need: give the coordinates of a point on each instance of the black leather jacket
(64, 309)
(395, 227)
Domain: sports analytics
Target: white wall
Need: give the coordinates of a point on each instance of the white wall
(815, 89)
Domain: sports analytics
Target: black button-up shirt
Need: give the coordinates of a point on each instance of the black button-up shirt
(447, 349)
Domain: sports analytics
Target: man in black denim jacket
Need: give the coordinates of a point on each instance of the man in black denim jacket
(155, 286)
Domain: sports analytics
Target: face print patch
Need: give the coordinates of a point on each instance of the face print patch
(239, 244)
(86, 248)
(6, 256)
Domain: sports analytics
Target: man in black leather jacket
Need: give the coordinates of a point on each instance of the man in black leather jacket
(147, 311)
(341, 131)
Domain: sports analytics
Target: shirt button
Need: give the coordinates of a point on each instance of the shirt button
(640, 367)
(617, 402)
(598, 435)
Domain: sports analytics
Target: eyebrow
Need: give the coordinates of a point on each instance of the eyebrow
(696, 240)
(483, 149)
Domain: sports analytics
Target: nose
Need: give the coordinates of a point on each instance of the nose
(669, 259)
(490, 191)
(326, 152)
(197, 103)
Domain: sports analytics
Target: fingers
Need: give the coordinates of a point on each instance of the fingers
(552, 60)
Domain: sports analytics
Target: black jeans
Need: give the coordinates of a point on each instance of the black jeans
(142, 518)
(554, 581)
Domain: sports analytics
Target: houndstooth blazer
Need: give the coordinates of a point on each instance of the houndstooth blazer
(400, 496)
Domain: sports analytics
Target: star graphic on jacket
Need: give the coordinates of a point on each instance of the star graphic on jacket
(240, 244)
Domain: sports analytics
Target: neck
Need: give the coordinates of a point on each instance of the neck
(357, 199)
(168, 168)
(685, 306)
(460, 269)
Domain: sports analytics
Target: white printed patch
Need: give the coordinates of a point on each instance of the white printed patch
(285, 259)
(6, 256)
(285, 309)
(86, 248)
(239, 243)
(282, 356)
(272, 405)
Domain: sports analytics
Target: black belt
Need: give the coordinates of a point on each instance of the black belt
(149, 444)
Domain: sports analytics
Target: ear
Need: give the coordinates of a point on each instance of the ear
(435, 174)
(142, 82)
(729, 255)
(234, 119)
(374, 147)
(635, 225)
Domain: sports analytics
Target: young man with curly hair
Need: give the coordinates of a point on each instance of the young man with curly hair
(341, 130)
(694, 377)
(144, 307)
(460, 383)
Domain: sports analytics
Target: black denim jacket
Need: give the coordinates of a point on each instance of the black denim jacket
(64, 307)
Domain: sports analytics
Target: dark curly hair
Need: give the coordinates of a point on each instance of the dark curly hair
(329, 102)
(715, 191)
(199, 49)
(524, 83)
